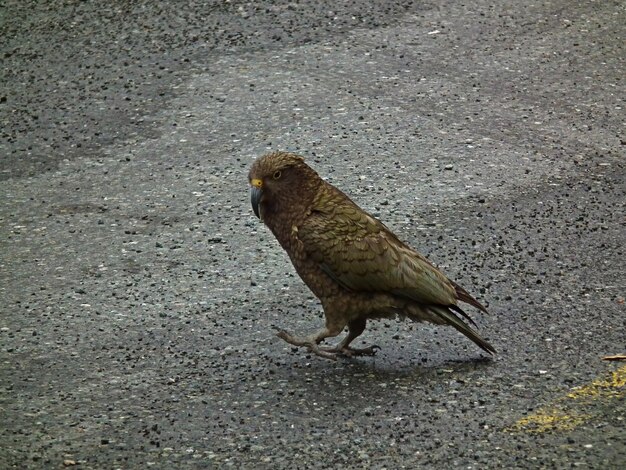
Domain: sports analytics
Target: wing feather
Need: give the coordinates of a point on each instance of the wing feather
(361, 254)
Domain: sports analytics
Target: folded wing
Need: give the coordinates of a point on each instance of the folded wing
(361, 254)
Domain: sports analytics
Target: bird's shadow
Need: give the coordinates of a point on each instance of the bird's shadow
(387, 369)
(355, 384)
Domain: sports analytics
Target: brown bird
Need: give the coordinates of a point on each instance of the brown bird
(354, 264)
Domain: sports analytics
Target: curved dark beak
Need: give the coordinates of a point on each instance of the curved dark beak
(255, 199)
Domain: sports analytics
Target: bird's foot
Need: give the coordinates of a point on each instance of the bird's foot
(312, 344)
(353, 352)
(308, 343)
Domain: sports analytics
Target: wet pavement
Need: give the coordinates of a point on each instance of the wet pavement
(140, 295)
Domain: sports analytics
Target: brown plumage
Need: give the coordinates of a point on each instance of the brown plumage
(354, 264)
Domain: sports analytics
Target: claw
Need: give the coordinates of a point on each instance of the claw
(310, 345)
(282, 334)
(354, 352)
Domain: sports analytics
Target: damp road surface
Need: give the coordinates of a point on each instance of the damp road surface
(140, 296)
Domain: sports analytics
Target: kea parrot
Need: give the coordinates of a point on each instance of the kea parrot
(354, 264)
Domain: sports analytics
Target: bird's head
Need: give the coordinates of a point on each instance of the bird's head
(281, 183)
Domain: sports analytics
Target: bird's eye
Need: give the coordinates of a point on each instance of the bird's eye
(277, 174)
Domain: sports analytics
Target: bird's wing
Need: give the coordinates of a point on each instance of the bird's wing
(361, 254)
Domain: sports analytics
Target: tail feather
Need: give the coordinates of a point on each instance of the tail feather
(458, 309)
(465, 296)
(449, 318)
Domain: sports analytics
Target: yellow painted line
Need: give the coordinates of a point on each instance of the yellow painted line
(602, 387)
(565, 413)
(550, 419)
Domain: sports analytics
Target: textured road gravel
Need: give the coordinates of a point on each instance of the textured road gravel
(139, 295)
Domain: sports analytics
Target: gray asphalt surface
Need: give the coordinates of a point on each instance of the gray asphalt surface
(139, 295)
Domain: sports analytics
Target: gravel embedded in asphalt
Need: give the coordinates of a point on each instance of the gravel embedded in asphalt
(140, 295)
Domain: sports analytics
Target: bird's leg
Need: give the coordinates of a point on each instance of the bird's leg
(355, 328)
(312, 341)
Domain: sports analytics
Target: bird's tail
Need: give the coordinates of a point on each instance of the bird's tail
(442, 315)
(466, 297)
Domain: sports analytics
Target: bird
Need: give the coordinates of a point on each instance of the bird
(355, 265)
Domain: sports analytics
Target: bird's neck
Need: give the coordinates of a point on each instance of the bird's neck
(288, 212)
